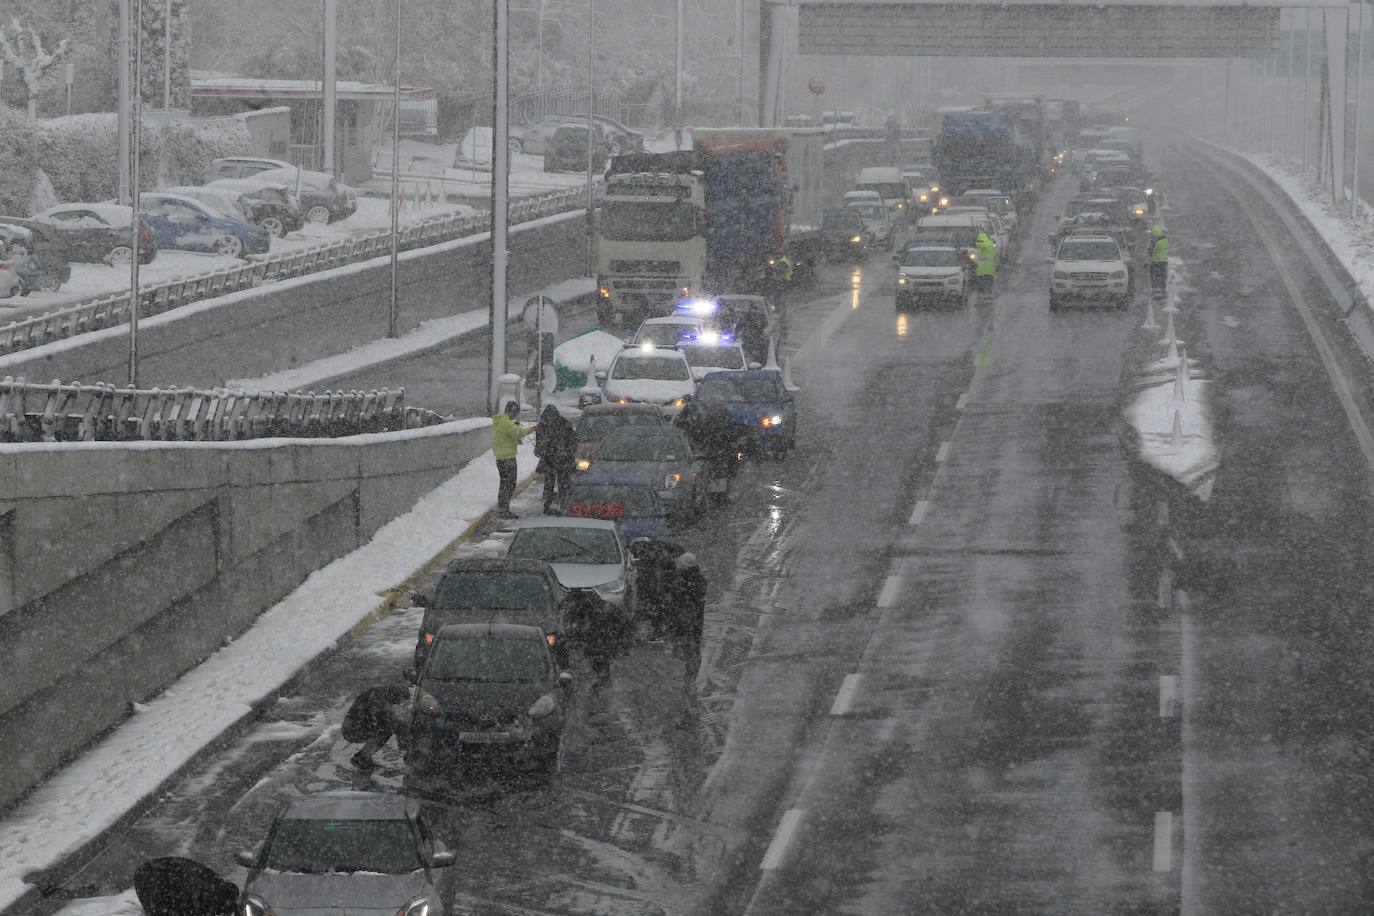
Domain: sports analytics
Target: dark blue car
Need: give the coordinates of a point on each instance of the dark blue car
(188, 225)
(626, 499)
(759, 401)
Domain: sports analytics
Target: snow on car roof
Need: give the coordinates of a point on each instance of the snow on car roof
(642, 352)
(115, 213)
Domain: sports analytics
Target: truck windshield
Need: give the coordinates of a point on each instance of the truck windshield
(626, 221)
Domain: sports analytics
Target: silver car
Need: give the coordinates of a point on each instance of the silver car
(346, 853)
(585, 553)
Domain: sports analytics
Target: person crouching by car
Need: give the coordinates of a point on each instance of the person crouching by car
(372, 720)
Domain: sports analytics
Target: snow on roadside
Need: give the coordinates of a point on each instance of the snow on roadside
(433, 333)
(1173, 430)
(90, 794)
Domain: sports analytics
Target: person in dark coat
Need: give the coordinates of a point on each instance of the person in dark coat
(555, 445)
(686, 618)
(372, 720)
(654, 571)
(601, 630)
(173, 886)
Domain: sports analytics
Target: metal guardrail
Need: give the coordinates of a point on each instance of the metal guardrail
(154, 299)
(55, 412)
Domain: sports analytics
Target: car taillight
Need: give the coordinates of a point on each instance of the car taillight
(145, 234)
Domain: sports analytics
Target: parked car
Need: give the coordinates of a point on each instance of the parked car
(617, 137)
(241, 167)
(567, 150)
(533, 137)
(322, 197)
(665, 459)
(598, 421)
(273, 205)
(99, 233)
(500, 589)
(629, 501)
(489, 694)
(760, 402)
(188, 225)
(342, 852)
(587, 554)
(35, 253)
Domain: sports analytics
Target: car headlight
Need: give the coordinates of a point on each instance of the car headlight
(1118, 274)
(944, 201)
(774, 420)
(901, 279)
(611, 589)
(583, 464)
(428, 705)
(671, 481)
(924, 198)
(543, 706)
(1060, 275)
(679, 403)
(857, 239)
(254, 906)
(418, 907)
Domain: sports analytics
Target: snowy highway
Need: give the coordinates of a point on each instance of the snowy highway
(964, 653)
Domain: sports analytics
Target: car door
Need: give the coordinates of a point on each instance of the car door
(89, 236)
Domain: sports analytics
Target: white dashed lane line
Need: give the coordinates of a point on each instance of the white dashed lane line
(962, 402)
(891, 587)
(1164, 840)
(777, 849)
(844, 700)
(1168, 695)
(918, 514)
(942, 455)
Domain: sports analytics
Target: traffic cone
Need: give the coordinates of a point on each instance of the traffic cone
(1177, 438)
(1181, 380)
(1150, 323)
(787, 375)
(772, 361)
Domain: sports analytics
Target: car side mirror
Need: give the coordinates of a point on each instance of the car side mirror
(246, 858)
(565, 679)
(442, 860)
(419, 600)
(601, 375)
(412, 676)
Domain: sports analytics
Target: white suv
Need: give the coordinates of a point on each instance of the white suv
(648, 374)
(1089, 267)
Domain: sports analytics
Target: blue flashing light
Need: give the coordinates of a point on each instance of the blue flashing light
(697, 307)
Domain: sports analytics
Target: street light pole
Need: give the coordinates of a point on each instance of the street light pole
(677, 81)
(1288, 86)
(135, 138)
(500, 189)
(1355, 165)
(591, 134)
(167, 56)
(539, 68)
(1306, 88)
(739, 47)
(125, 53)
(329, 85)
(394, 307)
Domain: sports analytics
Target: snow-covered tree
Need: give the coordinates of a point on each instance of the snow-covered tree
(22, 47)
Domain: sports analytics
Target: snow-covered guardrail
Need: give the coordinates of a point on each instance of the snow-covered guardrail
(107, 311)
(55, 412)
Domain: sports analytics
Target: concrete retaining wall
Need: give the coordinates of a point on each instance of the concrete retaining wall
(121, 567)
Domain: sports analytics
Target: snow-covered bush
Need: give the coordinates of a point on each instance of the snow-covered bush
(16, 163)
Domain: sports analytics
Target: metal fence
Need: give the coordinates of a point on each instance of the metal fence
(107, 311)
(56, 412)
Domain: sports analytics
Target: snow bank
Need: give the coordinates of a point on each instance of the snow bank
(94, 791)
(570, 358)
(1175, 433)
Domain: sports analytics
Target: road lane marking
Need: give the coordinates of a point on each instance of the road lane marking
(918, 514)
(1168, 695)
(844, 700)
(1166, 589)
(1162, 513)
(1164, 840)
(777, 849)
(942, 455)
(962, 402)
(891, 587)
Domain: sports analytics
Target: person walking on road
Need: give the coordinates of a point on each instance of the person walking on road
(1159, 260)
(372, 720)
(985, 271)
(687, 614)
(505, 440)
(555, 445)
(599, 628)
(654, 574)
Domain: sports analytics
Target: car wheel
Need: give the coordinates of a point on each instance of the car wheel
(49, 282)
(317, 214)
(274, 225)
(119, 255)
(230, 246)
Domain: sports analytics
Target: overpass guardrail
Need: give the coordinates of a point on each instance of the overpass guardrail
(154, 299)
(54, 412)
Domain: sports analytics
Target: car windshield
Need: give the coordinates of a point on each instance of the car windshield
(566, 544)
(1089, 251)
(651, 368)
(627, 221)
(666, 334)
(594, 428)
(640, 445)
(741, 390)
(931, 257)
(599, 501)
(493, 591)
(715, 357)
(321, 847)
(887, 190)
(487, 660)
(872, 213)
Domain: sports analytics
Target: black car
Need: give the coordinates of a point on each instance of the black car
(843, 234)
(322, 198)
(41, 250)
(568, 150)
(272, 205)
(99, 233)
(488, 693)
(505, 590)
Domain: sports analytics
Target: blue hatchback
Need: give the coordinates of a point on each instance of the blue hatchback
(756, 399)
(182, 223)
(626, 499)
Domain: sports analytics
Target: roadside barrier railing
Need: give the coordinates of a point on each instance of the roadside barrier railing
(154, 299)
(57, 412)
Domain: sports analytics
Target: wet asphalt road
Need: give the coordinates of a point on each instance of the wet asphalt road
(935, 642)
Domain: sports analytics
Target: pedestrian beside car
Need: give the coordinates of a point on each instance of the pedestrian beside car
(505, 441)
(177, 886)
(654, 573)
(718, 437)
(985, 271)
(372, 720)
(555, 445)
(1159, 260)
(601, 629)
(687, 614)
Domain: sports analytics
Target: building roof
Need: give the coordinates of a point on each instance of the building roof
(347, 90)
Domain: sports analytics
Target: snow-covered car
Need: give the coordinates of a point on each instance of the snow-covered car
(273, 205)
(668, 330)
(323, 198)
(856, 198)
(1089, 267)
(99, 233)
(241, 167)
(931, 273)
(188, 225)
(649, 375)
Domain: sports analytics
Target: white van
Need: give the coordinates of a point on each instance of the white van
(894, 190)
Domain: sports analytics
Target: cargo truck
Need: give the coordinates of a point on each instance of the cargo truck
(712, 219)
(982, 149)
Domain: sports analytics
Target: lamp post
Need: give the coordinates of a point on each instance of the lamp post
(167, 56)
(591, 134)
(1355, 165)
(393, 309)
(500, 188)
(136, 133)
(123, 56)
